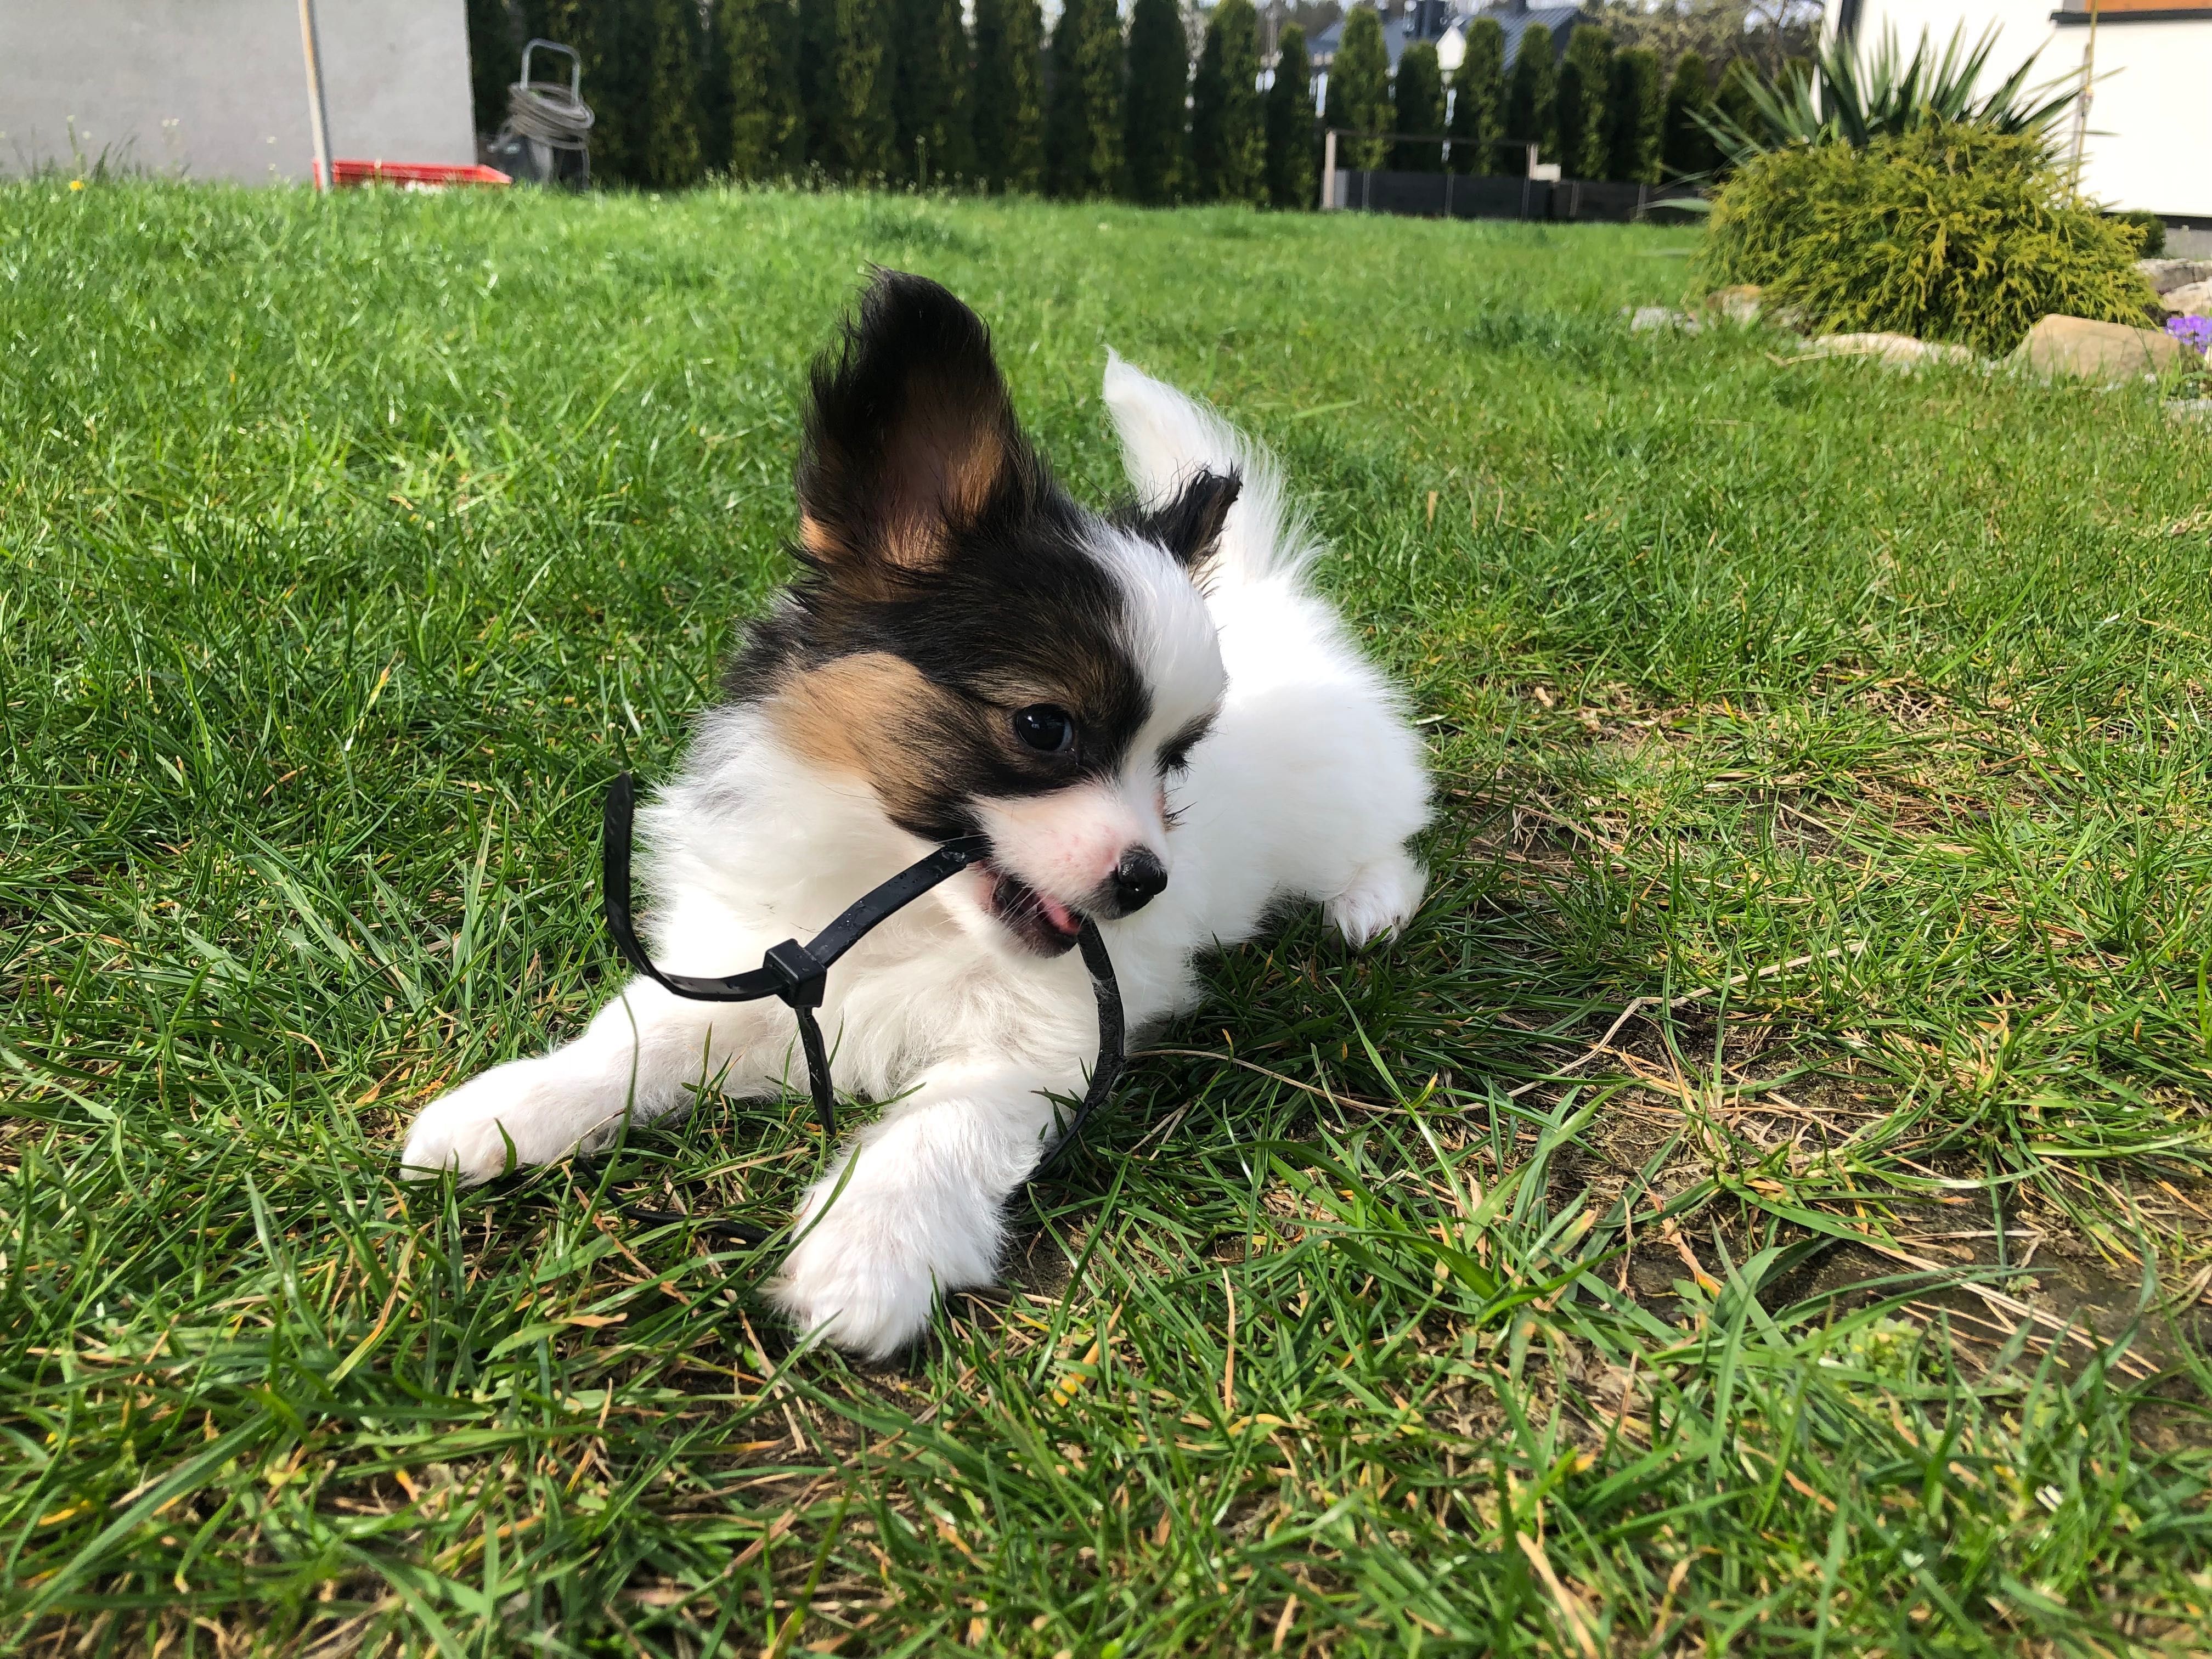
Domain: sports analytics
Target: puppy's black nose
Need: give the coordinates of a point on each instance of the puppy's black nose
(1138, 879)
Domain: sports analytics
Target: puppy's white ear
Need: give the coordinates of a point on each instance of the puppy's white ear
(910, 436)
(1180, 453)
(1167, 438)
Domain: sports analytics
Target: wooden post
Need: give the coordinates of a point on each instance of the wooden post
(1328, 166)
(318, 119)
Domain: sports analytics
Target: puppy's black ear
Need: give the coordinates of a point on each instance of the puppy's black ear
(910, 436)
(1190, 524)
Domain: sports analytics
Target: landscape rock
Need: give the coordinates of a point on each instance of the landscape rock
(1644, 318)
(1739, 304)
(2108, 353)
(2190, 299)
(2167, 275)
(1901, 350)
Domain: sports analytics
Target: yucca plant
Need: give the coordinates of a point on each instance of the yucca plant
(1854, 100)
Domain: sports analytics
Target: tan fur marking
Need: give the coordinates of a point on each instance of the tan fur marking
(872, 715)
(814, 536)
(971, 477)
(947, 489)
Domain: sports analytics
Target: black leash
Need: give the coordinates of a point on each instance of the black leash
(798, 974)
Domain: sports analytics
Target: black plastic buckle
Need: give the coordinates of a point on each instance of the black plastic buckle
(803, 976)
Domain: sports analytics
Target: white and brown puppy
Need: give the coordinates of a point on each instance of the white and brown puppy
(1149, 715)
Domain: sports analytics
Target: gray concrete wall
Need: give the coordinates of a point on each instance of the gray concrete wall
(217, 88)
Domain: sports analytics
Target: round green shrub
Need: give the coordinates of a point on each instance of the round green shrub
(2153, 226)
(1952, 232)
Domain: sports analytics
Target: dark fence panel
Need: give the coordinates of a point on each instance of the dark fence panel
(1445, 195)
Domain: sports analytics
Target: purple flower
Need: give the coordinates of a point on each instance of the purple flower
(2195, 332)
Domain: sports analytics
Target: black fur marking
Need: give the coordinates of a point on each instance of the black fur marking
(1189, 525)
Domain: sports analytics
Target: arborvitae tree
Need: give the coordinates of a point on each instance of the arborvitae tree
(929, 59)
(1228, 120)
(1529, 93)
(1291, 124)
(1685, 149)
(712, 104)
(1571, 112)
(814, 79)
(867, 129)
(766, 128)
(1419, 108)
(670, 125)
(1157, 147)
(1579, 102)
(1359, 91)
(495, 59)
(1009, 96)
(1478, 98)
(1633, 115)
(1083, 126)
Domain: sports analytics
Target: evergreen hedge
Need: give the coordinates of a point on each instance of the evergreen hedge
(863, 80)
(494, 60)
(1578, 100)
(1633, 115)
(1228, 125)
(1009, 100)
(1530, 95)
(1292, 178)
(1478, 98)
(1083, 122)
(1157, 144)
(1952, 232)
(1418, 104)
(765, 126)
(1685, 149)
(1359, 98)
(814, 81)
(901, 91)
(929, 53)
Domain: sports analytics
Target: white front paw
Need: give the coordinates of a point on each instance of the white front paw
(1380, 900)
(520, 1113)
(866, 1273)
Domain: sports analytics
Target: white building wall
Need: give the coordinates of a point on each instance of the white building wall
(2150, 124)
(217, 88)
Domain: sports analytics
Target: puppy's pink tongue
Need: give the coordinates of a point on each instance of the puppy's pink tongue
(1058, 915)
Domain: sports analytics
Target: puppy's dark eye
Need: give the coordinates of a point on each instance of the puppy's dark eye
(1045, 728)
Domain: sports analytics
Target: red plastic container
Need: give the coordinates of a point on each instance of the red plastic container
(421, 174)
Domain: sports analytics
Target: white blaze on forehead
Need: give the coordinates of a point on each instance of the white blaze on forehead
(1170, 636)
(1067, 842)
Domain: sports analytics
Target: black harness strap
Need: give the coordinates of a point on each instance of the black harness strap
(797, 973)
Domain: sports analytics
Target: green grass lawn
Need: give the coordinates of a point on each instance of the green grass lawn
(1762, 1206)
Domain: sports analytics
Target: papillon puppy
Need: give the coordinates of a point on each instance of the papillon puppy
(1150, 715)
